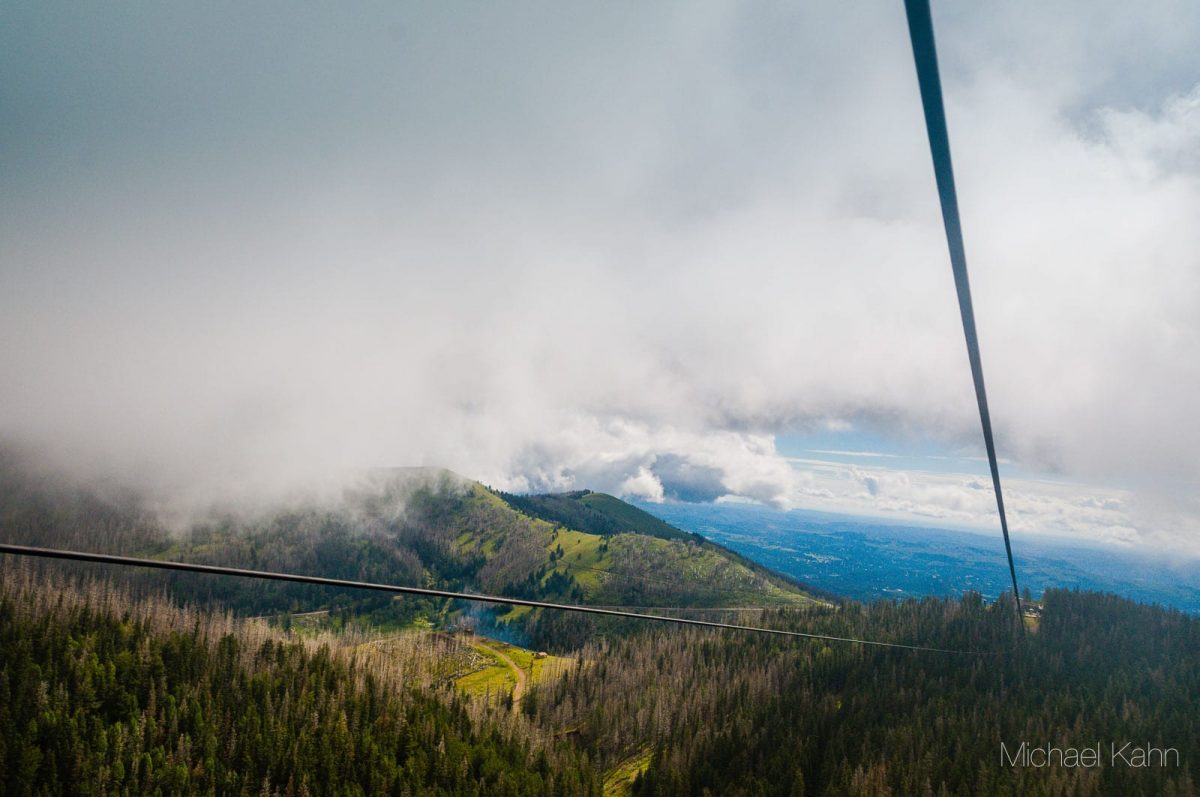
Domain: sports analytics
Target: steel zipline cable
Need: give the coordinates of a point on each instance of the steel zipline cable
(920, 30)
(920, 26)
(131, 561)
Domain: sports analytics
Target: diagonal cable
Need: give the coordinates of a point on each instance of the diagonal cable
(160, 564)
(920, 30)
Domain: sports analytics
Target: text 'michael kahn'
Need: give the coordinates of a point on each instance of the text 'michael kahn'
(1128, 754)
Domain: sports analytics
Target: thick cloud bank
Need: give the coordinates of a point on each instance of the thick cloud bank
(604, 246)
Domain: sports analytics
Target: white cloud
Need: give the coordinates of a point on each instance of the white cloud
(568, 249)
(644, 485)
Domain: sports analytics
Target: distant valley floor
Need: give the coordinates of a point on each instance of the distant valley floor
(870, 558)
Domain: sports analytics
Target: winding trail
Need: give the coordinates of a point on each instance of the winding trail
(522, 677)
(518, 690)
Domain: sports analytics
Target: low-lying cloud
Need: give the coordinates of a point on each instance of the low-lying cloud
(602, 247)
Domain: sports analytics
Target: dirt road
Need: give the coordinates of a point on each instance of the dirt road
(518, 690)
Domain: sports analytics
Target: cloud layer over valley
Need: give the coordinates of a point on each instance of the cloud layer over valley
(618, 247)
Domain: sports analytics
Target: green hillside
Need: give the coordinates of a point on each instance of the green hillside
(102, 693)
(409, 526)
(595, 513)
(620, 552)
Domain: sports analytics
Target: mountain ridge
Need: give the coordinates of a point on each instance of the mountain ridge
(411, 526)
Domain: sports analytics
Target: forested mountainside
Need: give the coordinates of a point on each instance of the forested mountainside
(104, 694)
(754, 715)
(136, 697)
(595, 513)
(418, 527)
(135, 694)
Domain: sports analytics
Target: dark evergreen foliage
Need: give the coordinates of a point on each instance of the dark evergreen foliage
(97, 698)
(747, 715)
(584, 510)
(102, 701)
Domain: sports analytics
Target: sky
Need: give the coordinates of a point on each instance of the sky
(675, 251)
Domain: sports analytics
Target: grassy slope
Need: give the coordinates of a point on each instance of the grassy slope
(662, 572)
(643, 522)
(406, 526)
(494, 676)
(481, 505)
(647, 561)
(619, 780)
(625, 554)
